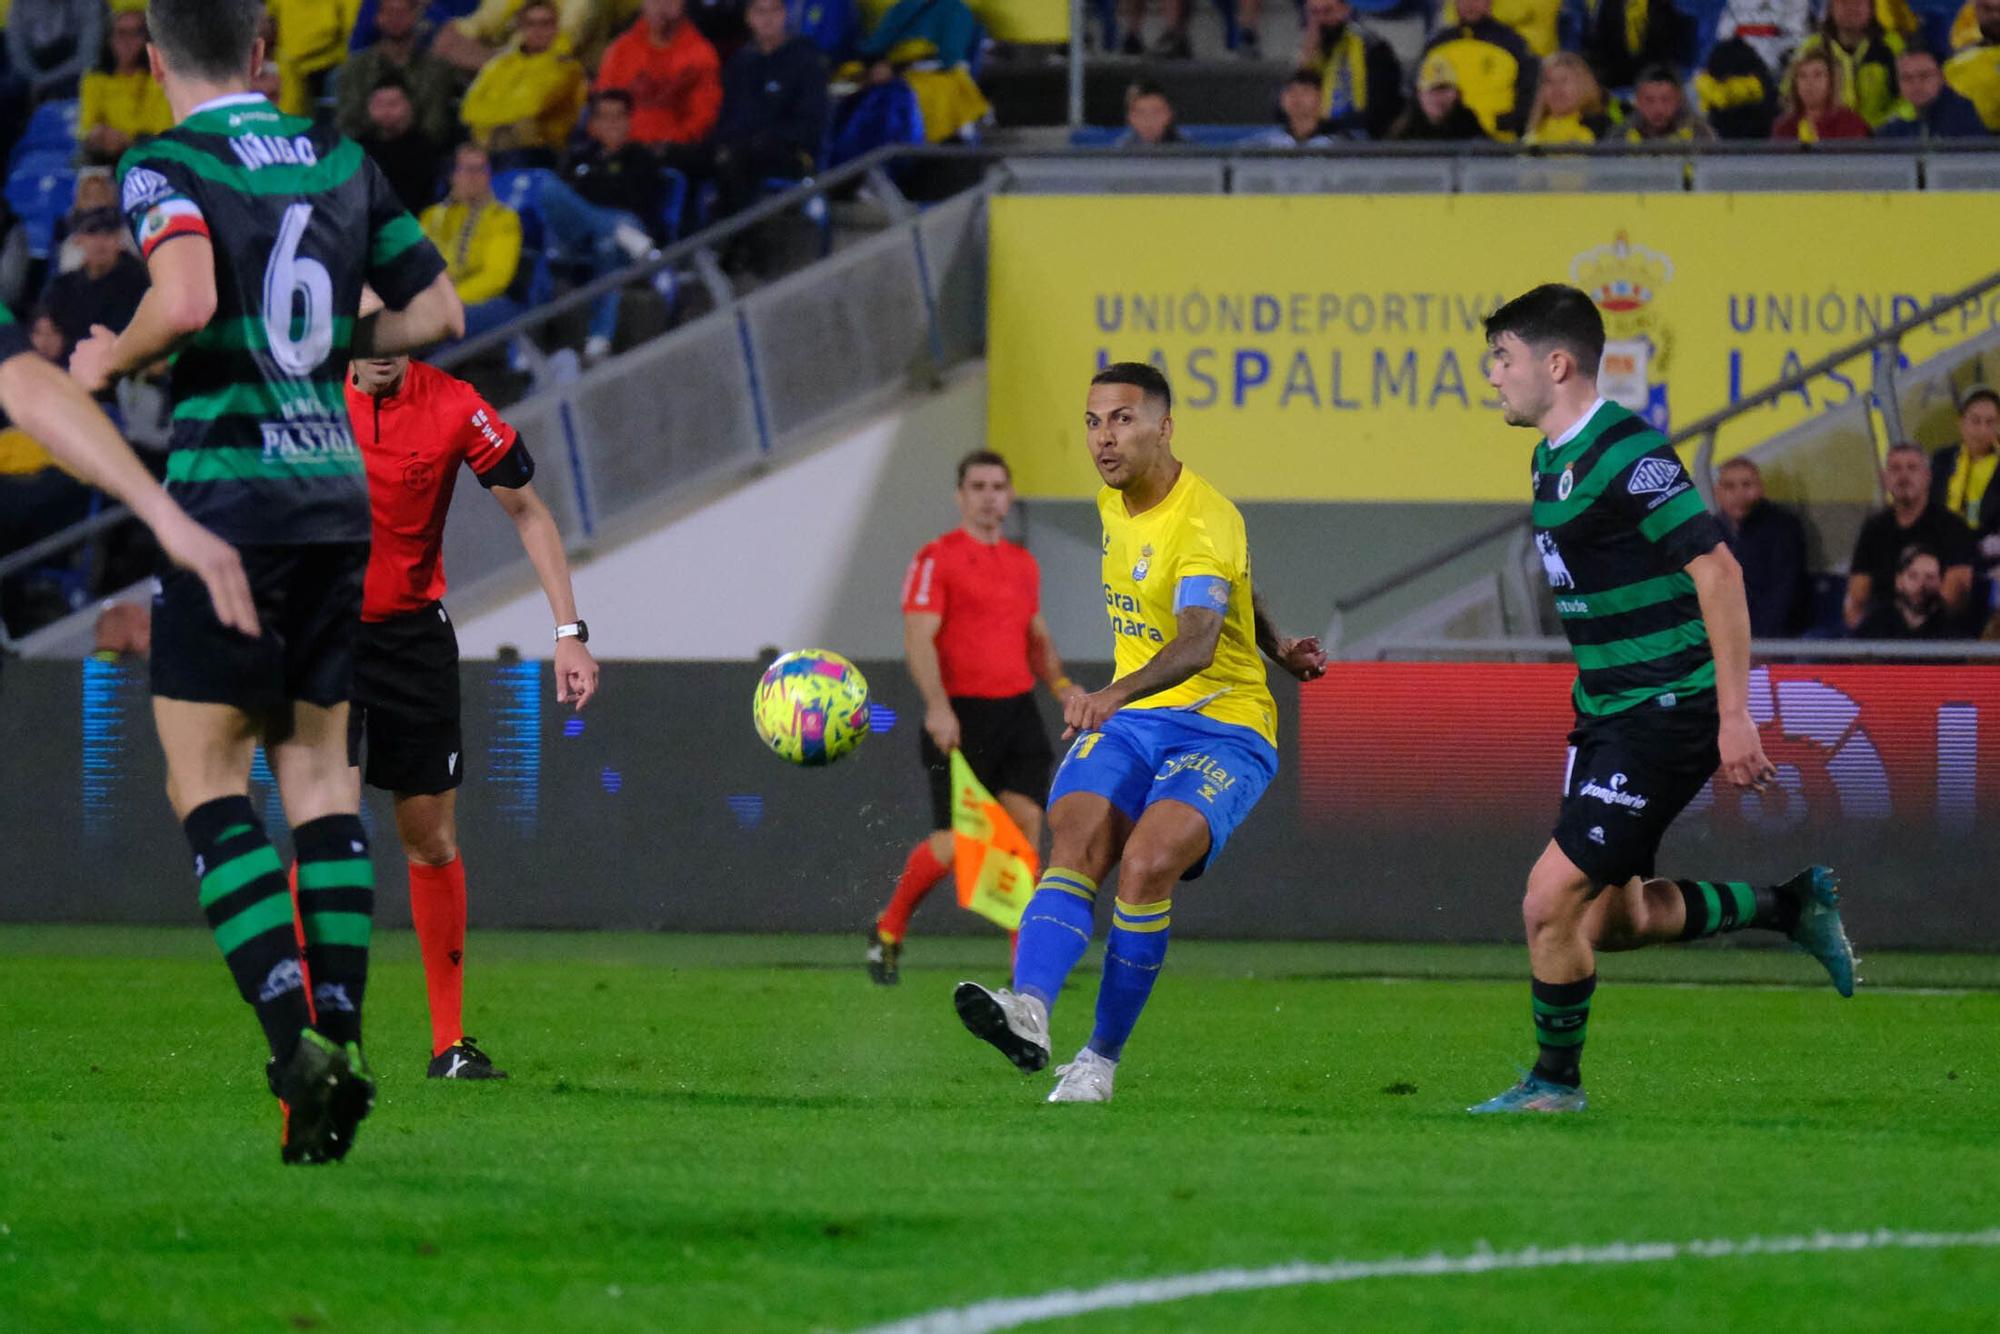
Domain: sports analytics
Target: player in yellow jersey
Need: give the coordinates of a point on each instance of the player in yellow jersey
(1168, 759)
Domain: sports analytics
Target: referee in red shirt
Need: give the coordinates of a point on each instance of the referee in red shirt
(416, 425)
(975, 641)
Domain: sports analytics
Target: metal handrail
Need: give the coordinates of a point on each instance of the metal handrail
(1706, 427)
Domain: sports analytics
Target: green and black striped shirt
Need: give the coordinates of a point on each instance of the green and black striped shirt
(1617, 519)
(262, 451)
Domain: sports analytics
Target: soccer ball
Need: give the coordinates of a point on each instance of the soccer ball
(812, 706)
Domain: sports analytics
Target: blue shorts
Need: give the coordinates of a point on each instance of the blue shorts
(1141, 756)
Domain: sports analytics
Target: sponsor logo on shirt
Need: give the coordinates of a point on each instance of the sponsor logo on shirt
(145, 187)
(1653, 476)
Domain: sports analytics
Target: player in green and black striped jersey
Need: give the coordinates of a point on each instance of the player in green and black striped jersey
(1652, 602)
(259, 231)
(48, 405)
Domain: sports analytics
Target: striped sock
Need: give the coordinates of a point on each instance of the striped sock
(1055, 931)
(249, 908)
(337, 907)
(1133, 957)
(1714, 907)
(1562, 1009)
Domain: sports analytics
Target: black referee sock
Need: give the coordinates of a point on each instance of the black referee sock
(337, 910)
(249, 909)
(1562, 1010)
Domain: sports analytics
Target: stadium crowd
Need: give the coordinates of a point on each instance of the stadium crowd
(1568, 72)
(551, 142)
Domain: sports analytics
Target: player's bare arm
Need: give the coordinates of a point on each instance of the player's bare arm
(1197, 630)
(1302, 657)
(1718, 584)
(576, 670)
(1048, 663)
(434, 315)
(920, 632)
(52, 408)
(178, 304)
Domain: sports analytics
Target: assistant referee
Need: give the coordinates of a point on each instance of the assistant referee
(975, 641)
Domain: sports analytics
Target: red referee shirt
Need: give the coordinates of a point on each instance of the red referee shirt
(987, 596)
(413, 441)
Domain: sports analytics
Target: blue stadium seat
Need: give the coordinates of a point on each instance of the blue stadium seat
(40, 191)
(51, 129)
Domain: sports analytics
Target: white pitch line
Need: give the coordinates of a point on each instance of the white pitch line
(1013, 1312)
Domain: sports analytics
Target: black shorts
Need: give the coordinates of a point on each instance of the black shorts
(1629, 777)
(309, 608)
(1004, 742)
(404, 722)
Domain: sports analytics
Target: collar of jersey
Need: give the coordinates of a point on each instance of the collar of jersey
(232, 100)
(1587, 429)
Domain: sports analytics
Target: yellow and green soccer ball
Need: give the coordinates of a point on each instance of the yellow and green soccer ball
(812, 706)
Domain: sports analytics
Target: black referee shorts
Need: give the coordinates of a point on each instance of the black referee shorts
(403, 730)
(1630, 776)
(1005, 743)
(309, 608)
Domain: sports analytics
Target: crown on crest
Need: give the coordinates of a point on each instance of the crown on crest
(1621, 277)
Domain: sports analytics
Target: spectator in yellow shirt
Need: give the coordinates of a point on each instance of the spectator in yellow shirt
(1569, 104)
(312, 39)
(526, 101)
(121, 103)
(480, 239)
(587, 25)
(1974, 72)
(1534, 20)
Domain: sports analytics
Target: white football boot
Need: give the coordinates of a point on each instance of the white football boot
(1017, 1025)
(1085, 1079)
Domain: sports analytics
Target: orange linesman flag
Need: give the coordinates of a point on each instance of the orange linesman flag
(997, 868)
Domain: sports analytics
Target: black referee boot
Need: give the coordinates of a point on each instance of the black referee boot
(463, 1060)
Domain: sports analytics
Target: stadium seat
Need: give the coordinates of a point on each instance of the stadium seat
(40, 191)
(51, 129)
(673, 201)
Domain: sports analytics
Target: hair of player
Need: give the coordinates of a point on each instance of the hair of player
(1145, 376)
(205, 39)
(982, 458)
(1554, 315)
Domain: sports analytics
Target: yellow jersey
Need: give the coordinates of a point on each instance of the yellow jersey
(1193, 534)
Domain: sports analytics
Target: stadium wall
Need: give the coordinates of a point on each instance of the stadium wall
(1410, 803)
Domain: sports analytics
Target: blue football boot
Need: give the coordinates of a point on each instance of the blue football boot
(1818, 931)
(1534, 1094)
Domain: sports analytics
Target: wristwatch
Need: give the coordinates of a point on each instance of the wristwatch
(578, 630)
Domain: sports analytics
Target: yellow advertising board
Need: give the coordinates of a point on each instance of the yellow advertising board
(1329, 347)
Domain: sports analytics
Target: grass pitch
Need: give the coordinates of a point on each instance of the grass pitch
(717, 1133)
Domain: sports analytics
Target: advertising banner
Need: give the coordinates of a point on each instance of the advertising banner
(1330, 348)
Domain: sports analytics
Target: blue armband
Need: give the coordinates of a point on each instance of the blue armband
(1208, 591)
